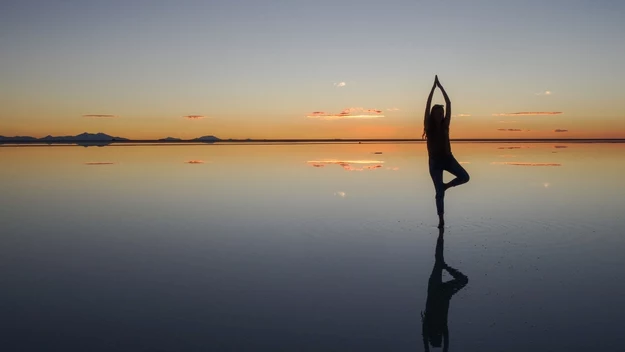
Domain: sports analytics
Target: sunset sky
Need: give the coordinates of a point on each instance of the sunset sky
(311, 69)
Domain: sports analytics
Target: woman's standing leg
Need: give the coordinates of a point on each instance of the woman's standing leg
(436, 172)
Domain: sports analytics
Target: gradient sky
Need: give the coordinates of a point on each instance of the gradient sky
(261, 69)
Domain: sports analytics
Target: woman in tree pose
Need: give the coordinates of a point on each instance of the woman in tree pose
(436, 130)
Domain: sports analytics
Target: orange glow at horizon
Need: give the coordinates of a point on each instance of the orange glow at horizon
(406, 125)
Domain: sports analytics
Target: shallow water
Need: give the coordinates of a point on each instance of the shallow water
(308, 247)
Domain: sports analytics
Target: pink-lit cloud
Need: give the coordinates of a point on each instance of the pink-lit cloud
(349, 113)
(529, 113)
(560, 130)
(392, 109)
(461, 115)
(512, 130)
(547, 92)
(195, 117)
(194, 162)
(340, 84)
(99, 116)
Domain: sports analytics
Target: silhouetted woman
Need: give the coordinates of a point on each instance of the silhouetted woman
(436, 130)
(435, 330)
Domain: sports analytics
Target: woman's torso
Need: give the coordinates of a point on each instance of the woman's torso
(438, 141)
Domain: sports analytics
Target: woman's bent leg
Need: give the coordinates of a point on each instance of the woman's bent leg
(454, 168)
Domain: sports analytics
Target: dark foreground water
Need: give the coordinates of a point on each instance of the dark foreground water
(309, 248)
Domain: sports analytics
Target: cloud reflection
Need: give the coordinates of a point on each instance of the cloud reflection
(348, 165)
(523, 163)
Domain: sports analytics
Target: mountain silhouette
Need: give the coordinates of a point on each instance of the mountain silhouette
(207, 139)
(83, 137)
(170, 139)
(17, 139)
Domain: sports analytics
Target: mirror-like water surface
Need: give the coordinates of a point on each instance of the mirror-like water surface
(313, 247)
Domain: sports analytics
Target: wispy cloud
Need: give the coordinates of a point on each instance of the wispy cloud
(340, 84)
(461, 115)
(523, 164)
(194, 162)
(547, 92)
(560, 146)
(340, 194)
(349, 113)
(195, 117)
(347, 164)
(511, 130)
(392, 109)
(560, 130)
(99, 116)
(503, 121)
(529, 113)
(99, 163)
(513, 147)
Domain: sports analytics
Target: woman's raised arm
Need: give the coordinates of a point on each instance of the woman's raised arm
(447, 102)
(427, 107)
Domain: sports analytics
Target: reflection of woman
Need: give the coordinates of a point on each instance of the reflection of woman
(436, 130)
(434, 319)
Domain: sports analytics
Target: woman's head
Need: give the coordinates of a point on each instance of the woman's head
(434, 119)
(437, 114)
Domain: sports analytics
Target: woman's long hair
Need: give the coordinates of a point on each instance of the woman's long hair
(437, 114)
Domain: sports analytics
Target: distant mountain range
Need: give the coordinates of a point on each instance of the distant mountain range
(83, 137)
(207, 139)
(97, 138)
(199, 139)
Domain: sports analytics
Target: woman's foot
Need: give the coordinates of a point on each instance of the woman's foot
(441, 221)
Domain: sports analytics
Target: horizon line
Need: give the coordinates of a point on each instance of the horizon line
(295, 140)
